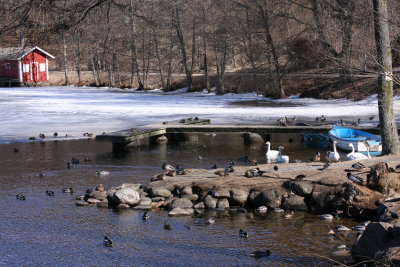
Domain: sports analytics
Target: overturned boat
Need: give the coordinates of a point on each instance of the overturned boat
(361, 140)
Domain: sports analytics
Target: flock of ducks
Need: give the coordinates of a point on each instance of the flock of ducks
(55, 134)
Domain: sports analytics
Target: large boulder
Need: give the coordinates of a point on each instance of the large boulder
(131, 186)
(126, 196)
(223, 203)
(271, 197)
(145, 201)
(239, 197)
(161, 192)
(376, 238)
(252, 196)
(187, 191)
(252, 138)
(294, 202)
(179, 203)
(210, 202)
(219, 193)
(181, 211)
(302, 188)
(199, 205)
(191, 197)
(99, 195)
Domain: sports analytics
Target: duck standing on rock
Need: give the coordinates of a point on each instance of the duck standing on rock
(316, 158)
(354, 178)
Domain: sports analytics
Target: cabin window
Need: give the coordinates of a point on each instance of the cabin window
(42, 67)
(7, 66)
(26, 67)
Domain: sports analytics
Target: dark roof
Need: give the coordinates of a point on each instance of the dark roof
(16, 53)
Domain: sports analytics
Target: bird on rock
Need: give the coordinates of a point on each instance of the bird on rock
(354, 178)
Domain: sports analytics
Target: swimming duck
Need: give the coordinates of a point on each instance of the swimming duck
(282, 158)
(316, 158)
(262, 209)
(271, 155)
(260, 253)
(322, 118)
(278, 210)
(243, 233)
(358, 166)
(361, 226)
(50, 193)
(328, 217)
(68, 190)
(371, 117)
(341, 228)
(249, 215)
(222, 173)
(55, 134)
(209, 221)
(74, 161)
(354, 178)
(355, 155)
(145, 216)
(16, 149)
(167, 226)
(20, 197)
(101, 172)
(32, 138)
(289, 215)
(42, 136)
(334, 156)
(107, 242)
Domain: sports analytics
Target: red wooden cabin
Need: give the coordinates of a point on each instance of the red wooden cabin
(24, 65)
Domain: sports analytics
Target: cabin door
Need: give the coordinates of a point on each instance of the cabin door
(35, 72)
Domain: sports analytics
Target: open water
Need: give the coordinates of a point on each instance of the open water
(52, 231)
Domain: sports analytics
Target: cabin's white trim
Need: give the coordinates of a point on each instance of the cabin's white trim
(33, 49)
(20, 70)
(47, 69)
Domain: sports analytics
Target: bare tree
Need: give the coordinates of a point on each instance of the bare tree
(390, 139)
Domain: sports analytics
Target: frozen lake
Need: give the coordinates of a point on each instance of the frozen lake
(28, 111)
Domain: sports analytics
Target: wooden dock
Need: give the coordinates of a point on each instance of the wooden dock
(121, 138)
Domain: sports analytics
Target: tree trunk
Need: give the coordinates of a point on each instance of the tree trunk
(390, 139)
(206, 77)
(65, 60)
(182, 45)
(78, 56)
(267, 28)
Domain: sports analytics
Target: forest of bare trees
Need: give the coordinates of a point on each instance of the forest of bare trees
(129, 39)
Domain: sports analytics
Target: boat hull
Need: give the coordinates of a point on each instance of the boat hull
(345, 136)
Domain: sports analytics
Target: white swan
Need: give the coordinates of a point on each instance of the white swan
(334, 156)
(356, 155)
(282, 158)
(271, 155)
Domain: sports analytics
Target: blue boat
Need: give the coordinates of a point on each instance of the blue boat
(361, 140)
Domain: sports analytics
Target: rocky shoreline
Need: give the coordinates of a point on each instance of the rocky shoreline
(319, 191)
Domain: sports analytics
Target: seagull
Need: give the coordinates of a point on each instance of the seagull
(355, 178)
